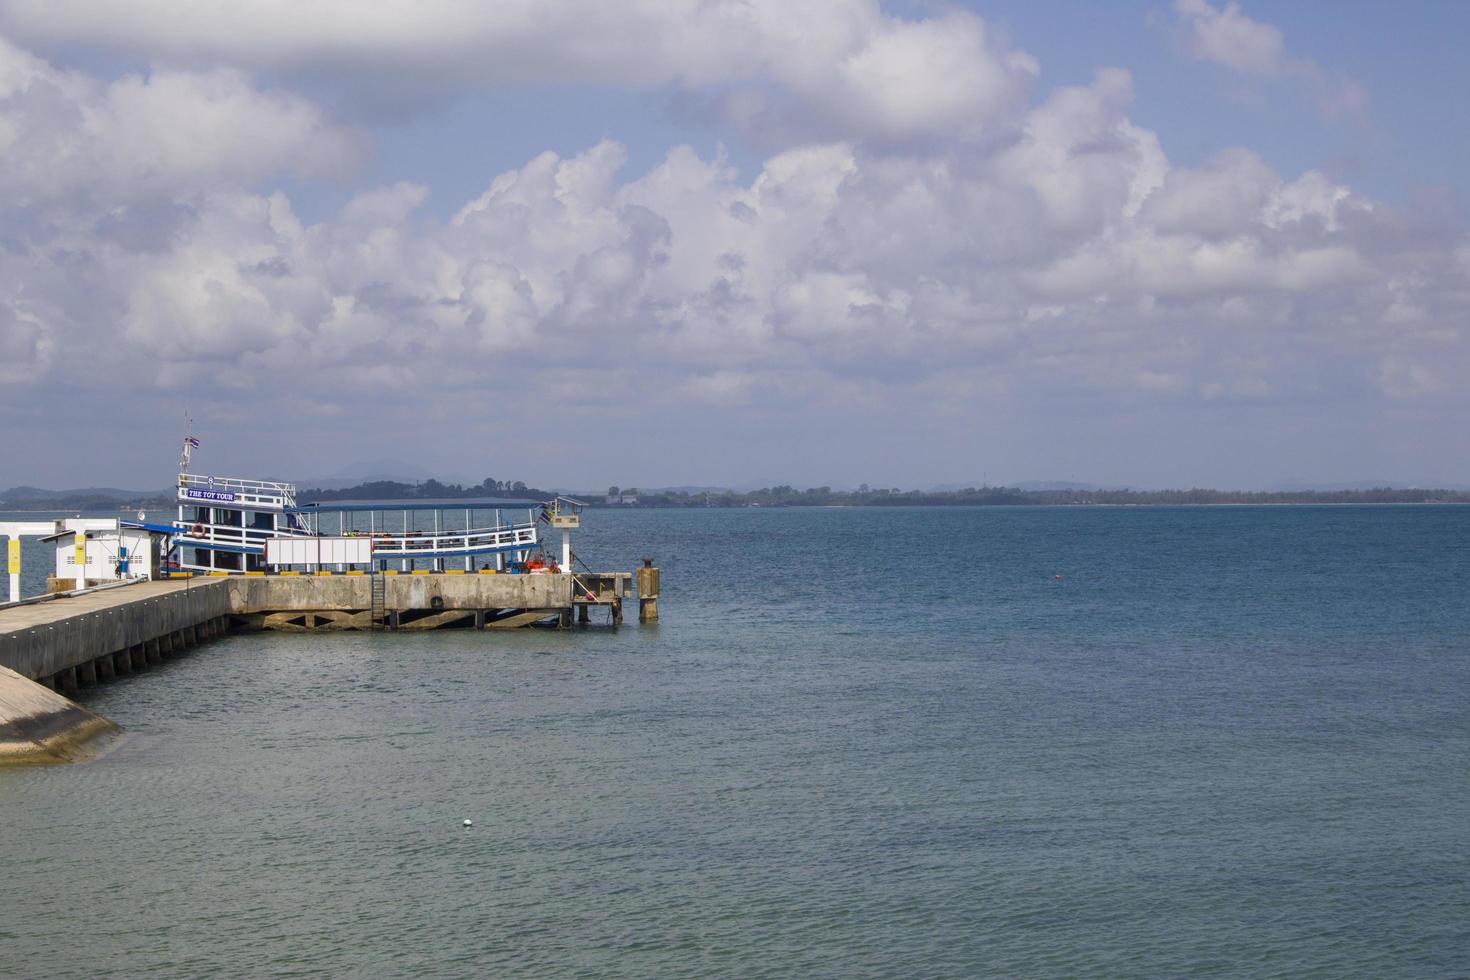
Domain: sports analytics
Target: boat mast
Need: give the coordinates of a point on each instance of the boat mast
(190, 443)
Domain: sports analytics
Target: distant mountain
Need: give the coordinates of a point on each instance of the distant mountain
(372, 471)
(383, 469)
(32, 495)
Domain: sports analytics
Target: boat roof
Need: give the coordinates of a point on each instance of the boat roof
(418, 503)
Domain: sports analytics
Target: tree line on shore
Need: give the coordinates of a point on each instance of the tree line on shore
(778, 496)
(786, 496)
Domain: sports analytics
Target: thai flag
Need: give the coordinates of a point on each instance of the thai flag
(192, 441)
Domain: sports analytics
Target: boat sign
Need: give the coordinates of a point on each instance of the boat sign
(209, 495)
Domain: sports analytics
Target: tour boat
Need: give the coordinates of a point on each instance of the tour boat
(224, 523)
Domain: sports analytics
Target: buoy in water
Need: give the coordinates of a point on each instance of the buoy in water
(469, 823)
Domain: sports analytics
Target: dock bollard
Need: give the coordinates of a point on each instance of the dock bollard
(648, 592)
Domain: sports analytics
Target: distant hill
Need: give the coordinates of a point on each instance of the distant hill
(39, 493)
(87, 498)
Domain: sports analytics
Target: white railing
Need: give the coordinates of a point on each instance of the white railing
(230, 490)
(461, 542)
(420, 543)
(232, 534)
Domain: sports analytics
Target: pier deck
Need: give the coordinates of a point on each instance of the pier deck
(32, 615)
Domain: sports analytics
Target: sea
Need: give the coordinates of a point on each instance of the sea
(870, 742)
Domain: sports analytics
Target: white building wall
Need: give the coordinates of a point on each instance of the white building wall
(105, 551)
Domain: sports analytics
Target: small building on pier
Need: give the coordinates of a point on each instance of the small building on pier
(90, 551)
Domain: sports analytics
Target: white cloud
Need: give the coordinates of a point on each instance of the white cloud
(1071, 258)
(65, 135)
(842, 66)
(1254, 49)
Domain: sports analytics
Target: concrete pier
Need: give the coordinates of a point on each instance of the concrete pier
(76, 641)
(53, 639)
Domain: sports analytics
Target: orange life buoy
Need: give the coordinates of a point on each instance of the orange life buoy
(197, 530)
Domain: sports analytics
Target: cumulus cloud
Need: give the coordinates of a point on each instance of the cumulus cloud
(64, 135)
(1254, 49)
(1071, 257)
(842, 67)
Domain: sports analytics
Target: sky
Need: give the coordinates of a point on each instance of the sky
(734, 242)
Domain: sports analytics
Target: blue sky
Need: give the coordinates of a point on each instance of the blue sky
(1162, 244)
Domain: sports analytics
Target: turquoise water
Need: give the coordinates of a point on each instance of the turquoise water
(1226, 741)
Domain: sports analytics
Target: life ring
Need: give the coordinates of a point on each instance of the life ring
(197, 531)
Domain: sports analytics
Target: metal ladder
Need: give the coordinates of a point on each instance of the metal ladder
(380, 600)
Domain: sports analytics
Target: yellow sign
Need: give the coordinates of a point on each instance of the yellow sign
(15, 556)
(81, 550)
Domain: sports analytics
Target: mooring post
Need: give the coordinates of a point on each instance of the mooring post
(648, 592)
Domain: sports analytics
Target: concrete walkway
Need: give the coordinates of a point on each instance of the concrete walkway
(46, 613)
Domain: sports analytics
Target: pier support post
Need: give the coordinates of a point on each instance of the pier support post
(104, 667)
(152, 654)
(122, 661)
(582, 613)
(87, 673)
(479, 619)
(648, 592)
(66, 680)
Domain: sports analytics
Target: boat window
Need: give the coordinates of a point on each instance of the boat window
(262, 519)
(229, 518)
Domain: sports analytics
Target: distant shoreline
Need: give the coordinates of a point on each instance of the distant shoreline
(786, 496)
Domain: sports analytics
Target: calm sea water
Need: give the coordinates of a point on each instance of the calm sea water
(1226, 741)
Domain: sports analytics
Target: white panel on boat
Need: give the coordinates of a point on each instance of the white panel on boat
(318, 551)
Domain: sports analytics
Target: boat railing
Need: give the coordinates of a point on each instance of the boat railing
(233, 533)
(227, 489)
(407, 544)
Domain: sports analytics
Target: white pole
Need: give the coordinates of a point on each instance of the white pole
(566, 549)
(80, 557)
(14, 549)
